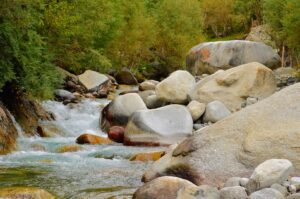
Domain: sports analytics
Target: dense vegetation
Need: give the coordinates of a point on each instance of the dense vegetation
(36, 36)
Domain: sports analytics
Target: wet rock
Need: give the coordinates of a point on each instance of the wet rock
(118, 111)
(38, 147)
(28, 112)
(144, 157)
(153, 101)
(269, 172)
(167, 188)
(68, 148)
(236, 192)
(116, 133)
(92, 139)
(239, 142)
(175, 88)
(267, 193)
(233, 86)
(162, 126)
(196, 109)
(63, 95)
(91, 80)
(215, 111)
(148, 85)
(125, 76)
(8, 131)
(209, 57)
(24, 193)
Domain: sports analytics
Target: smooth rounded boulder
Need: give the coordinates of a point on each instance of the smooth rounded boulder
(208, 57)
(175, 88)
(148, 85)
(161, 126)
(118, 111)
(235, 145)
(268, 173)
(167, 188)
(25, 192)
(91, 80)
(232, 87)
(196, 109)
(215, 111)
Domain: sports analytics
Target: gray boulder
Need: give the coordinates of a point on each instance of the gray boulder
(234, 86)
(268, 173)
(236, 192)
(118, 111)
(175, 88)
(62, 95)
(235, 145)
(215, 111)
(161, 126)
(153, 101)
(209, 57)
(91, 80)
(267, 193)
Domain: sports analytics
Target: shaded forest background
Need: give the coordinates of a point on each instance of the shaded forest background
(38, 36)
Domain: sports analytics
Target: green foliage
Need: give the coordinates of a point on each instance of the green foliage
(284, 18)
(24, 56)
(179, 28)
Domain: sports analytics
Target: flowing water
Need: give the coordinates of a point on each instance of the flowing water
(95, 171)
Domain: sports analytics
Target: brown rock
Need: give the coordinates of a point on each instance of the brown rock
(167, 188)
(144, 157)
(27, 112)
(116, 133)
(69, 148)
(125, 76)
(25, 193)
(8, 132)
(92, 139)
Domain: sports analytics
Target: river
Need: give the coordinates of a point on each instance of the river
(95, 171)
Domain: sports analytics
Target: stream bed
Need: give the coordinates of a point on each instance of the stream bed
(95, 171)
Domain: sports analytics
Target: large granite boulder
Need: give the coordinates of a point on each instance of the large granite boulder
(8, 131)
(234, 86)
(118, 111)
(209, 57)
(235, 145)
(175, 88)
(91, 80)
(161, 126)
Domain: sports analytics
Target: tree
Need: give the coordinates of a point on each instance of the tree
(179, 28)
(24, 58)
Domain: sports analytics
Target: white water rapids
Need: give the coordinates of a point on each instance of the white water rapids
(96, 171)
